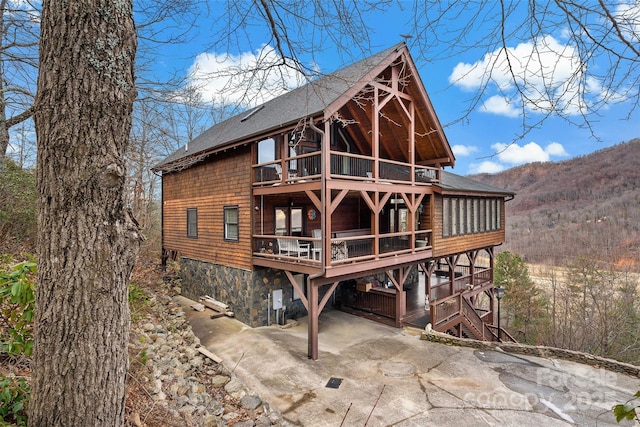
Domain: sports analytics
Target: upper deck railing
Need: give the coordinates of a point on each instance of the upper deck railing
(307, 167)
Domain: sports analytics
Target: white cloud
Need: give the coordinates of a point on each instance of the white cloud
(486, 167)
(500, 105)
(505, 156)
(464, 150)
(514, 154)
(628, 17)
(556, 149)
(247, 79)
(547, 71)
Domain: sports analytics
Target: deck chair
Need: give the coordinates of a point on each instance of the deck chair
(292, 247)
(316, 250)
(278, 169)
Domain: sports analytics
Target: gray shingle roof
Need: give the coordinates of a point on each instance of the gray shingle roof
(305, 101)
(453, 182)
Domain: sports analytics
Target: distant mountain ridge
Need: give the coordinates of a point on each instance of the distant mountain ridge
(588, 205)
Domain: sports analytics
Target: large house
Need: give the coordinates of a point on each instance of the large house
(335, 192)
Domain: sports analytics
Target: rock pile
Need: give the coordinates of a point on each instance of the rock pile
(188, 385)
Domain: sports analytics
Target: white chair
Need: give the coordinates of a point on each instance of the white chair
(292, 247)
(290, 173)
(317, 244)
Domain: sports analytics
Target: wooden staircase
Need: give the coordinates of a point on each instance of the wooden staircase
(456, 316)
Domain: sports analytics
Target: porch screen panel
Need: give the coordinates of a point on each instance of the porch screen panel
(494, 211)
(463, 216)
(476, 215)
(446, 217)
(469, 217)
(454, 217)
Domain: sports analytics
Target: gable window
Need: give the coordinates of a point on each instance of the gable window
(192, 223)
(231, 228)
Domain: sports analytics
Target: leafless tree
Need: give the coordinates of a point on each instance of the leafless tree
(19, 28)
(189, 112)
(543, 58)
(535, 59)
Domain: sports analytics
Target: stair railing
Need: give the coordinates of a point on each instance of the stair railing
(474, 319)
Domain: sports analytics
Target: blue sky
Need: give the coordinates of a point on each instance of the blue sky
(487, 139)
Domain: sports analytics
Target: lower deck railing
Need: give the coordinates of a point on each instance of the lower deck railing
(344, 248)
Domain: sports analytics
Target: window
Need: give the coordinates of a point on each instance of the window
(446, 217)
(476, 215)
(454, 216)
(469, 215)
(231, 229)
(192, 223)
(288, 221)
(483, 215)
(469, 220)
(266, 150)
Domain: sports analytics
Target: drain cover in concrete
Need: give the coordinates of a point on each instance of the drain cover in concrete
(334, 382)
(397, 369)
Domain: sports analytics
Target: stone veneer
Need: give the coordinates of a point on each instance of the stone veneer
(246, 292)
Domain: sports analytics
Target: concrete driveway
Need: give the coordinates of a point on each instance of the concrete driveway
(389, 377)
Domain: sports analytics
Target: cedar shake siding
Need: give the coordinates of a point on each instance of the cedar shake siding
(225, 180)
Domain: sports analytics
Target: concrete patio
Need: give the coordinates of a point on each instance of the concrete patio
(387, 376)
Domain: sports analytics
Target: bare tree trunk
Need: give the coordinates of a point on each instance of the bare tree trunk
(87, 242)
(4, 130)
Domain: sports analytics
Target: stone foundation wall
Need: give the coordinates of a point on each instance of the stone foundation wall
(232, 286)
(265, 281)
(248, 293)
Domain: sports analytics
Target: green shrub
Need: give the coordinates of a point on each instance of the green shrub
(138, 301)
(17, 305)
(14, 400)
(628, 410)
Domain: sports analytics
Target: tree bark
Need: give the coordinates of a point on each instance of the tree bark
(87, 240)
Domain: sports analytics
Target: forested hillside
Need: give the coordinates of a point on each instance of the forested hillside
(588, 206)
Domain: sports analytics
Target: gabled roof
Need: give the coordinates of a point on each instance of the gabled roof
(451, 183)
(306, 101)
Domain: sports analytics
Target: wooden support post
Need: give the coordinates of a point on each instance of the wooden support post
(452, 273)
(312, 294)
(401, 296)
(401, 306)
